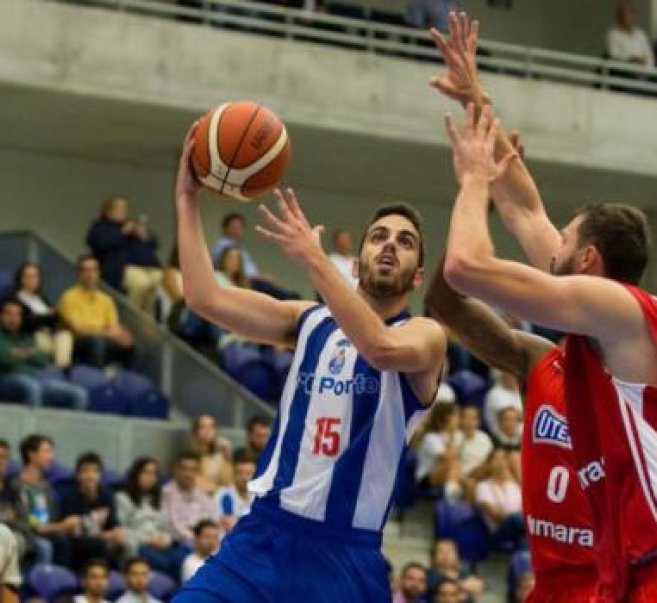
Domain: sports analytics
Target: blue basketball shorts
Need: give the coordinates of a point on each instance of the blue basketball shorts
(275, 557)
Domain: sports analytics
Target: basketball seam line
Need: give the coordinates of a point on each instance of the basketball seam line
(239, 146)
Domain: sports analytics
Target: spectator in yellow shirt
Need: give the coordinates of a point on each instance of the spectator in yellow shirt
(91, 315)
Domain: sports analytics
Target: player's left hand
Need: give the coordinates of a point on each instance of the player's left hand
(290, 229)
(474, 146)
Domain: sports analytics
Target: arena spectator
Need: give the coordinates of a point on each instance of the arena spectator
(95, 582)
(100, 536)
(40, 317)
(258, 431)
(343, 256)
(235, 501)
(432, 13)
(626, 41)
(137, 576)
(474, 450)
(412, 584)
(10, 513)
(92, 316)
(127, 252)
(214, 452)
(149, 532)
(184, 503)
(10, 576)
(229, 268)
(505, 393)
(509, 435)
(52, 536)
(446, 566)
(450, 591)
(500, 501)
(525, 587)
(22, 366)
(206, 543)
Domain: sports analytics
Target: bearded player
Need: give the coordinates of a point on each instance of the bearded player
(611, 356)
(363, 375)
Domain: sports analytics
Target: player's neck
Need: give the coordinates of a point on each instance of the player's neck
(386, 308)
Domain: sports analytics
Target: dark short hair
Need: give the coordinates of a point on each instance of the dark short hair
(85, 258)
(243, 456)
(5, 444)
(397, 209)
(95, 563)
(259, 420)
(187, 455)
(88, 458)
(231, 217)
(413, 565)
(135, 561)
(10, 301)
(131, 483)
(202, 525)
(620, 233)
(32, 443)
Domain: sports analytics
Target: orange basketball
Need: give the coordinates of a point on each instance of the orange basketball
(241, 150)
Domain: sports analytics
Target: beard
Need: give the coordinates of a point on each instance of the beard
(564, 268)
(379, 287)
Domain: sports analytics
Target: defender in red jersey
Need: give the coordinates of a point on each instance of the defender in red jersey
(557, 515)
(613, 346)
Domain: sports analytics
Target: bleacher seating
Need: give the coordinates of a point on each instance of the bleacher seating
(50, 582)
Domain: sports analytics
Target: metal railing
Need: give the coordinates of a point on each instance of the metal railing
(191, 381)
(394, 40)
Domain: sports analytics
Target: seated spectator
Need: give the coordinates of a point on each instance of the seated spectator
(627, 42)
(235, 501)
(22, 366)
(446, 566)
(432, 13)
(92, 316)
(100, 536)
(214, 452)
(10, 513)
(509, 435)
(10, 575)
(229, 268)
(183, 502)
(95, 583)
(412, 584)
(450, 591)
(233, 226)
(438, 449)
(137, 576)
(525, 587)
(500, 502)
(127, 252)
(51, 535)
(504, 394)
(342, 256)
(258, 431)
(206, 543)
(148, 531)
(40, 317)
(473, 451)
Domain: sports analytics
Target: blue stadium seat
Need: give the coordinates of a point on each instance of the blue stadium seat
(57, 473)
(132, 384)
(14, 468)
(110, 477)
(107, 399)
(6, 283)
(88, 377)
(236, 355)
(462, 523)
(161, 586)
(150, 404)
(51, 582)
(261, 379)
(116, 586)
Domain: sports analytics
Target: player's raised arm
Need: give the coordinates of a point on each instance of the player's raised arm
(585, 305)
(415, 347)
(515, 193)
(480, 329)
(251, 314)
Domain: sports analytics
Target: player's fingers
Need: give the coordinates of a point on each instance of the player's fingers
(270, 236)
(295, 208)
(450, 128)
(282, 205)
(273, 220)
(453, 26)
(506, 162)
(464, 31)
(470, 119)
(491, 135)
(473, 37)
(485, 121)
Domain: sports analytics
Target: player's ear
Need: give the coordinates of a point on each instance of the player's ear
(591, 260)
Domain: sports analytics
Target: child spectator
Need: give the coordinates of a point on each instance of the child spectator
(235, 501)
(206, 543)
(148, 530)
(184, 503)
(214, 453)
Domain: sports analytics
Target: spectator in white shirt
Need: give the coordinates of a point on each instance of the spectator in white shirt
(474, 450)
(504, 394)
(627, 42)
(500, 501)
(137, 577)
(235, 501)
(343, 257)
(206, 543)
(440, 437)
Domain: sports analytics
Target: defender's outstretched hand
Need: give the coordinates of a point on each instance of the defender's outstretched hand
(474, 146)
(460, 81)
(187, 184)
(290, 229)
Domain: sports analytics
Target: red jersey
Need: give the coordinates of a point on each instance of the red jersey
(614, 428)
(557, 514)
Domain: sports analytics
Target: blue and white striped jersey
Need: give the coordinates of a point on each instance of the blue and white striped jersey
(340, 433)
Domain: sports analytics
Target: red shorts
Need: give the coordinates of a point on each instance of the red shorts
(569, 594)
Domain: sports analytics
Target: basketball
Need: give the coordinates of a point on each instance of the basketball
(241, 150)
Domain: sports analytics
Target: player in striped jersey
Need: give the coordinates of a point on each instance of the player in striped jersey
(363, 375)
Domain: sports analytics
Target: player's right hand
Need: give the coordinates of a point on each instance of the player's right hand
(187, 184)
